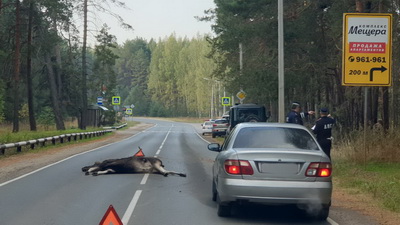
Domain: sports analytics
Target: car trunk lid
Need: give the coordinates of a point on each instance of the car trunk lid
(290, 165)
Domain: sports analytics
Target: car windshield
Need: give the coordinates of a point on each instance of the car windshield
(221, 121)
(274, 137)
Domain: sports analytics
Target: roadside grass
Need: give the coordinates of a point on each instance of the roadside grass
(6, 136)
(371, 166)
(49, 147)
(9, 137)
(380, 180)
(186, 119)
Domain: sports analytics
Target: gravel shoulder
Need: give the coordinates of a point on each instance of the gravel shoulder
(17, 165)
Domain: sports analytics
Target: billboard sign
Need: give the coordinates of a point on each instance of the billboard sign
(367, 49)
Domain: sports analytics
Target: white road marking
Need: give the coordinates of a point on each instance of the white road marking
(200, 136)
(131, 207)
(332, 222)
(144, 179)
(162, 144)
(135, 199)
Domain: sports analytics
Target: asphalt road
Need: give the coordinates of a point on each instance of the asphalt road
(61, 194)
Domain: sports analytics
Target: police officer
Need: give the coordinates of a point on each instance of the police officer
(323, 130)
(296, 114)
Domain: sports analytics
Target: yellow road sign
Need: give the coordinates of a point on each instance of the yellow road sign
(241, 95)
(128, 111)
(367, 49)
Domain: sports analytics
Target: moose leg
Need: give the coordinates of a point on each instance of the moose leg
(91, 170)
(165, 172)
(86, 168)
(101, 172)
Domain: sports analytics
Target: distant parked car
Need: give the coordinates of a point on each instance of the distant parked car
(220, 127)
(207, 127)
(271, 163)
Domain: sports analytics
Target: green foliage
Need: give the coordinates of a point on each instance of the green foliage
(138, 98)
(157, 110)
(2, 102)
(46, 117)
(103, 78)
(178, 72)
(110, 118)
(313, 40)
(132, 69)
(24, 112)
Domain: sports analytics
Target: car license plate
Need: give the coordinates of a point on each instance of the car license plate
(280, 168)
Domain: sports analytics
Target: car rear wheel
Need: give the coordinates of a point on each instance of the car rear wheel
(223, 210)
(213, 135)
(323, 214)
(214, 192)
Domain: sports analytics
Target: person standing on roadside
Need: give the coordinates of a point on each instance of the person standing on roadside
(323, 130)
(296, 115)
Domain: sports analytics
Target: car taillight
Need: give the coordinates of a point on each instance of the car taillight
(238, 167)
(214, 125)
(316, 169)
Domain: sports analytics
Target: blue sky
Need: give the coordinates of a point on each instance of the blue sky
(159, 19)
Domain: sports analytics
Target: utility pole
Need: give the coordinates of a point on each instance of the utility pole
(281, 67)
(241, 65)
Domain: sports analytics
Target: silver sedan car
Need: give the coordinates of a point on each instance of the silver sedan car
(272, 163)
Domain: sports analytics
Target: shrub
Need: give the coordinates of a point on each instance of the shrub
(46, 117)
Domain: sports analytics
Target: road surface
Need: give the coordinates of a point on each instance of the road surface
(61, 194)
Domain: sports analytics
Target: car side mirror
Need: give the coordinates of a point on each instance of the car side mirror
(215, 147)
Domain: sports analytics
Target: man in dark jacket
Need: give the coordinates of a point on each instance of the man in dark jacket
(323, 130)
(296, 114)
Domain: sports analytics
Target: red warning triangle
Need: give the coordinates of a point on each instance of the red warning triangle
(139, 153)
(111, 217)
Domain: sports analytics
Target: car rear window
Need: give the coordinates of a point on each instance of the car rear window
(221, 121)
(274, 137)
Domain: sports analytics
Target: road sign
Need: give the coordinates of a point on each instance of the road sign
(111, 217)
(241, 95)
(99, 100)
(226, 101)
(128, 111)
(367, 49)
(116, 100)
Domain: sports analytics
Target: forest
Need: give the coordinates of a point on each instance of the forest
(49, 73)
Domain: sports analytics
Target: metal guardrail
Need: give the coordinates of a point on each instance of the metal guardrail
(60, 139)
(118, 127)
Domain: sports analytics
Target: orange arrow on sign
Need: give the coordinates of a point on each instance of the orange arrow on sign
(111, 217)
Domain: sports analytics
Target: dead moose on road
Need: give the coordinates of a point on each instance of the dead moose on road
(134, 164)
